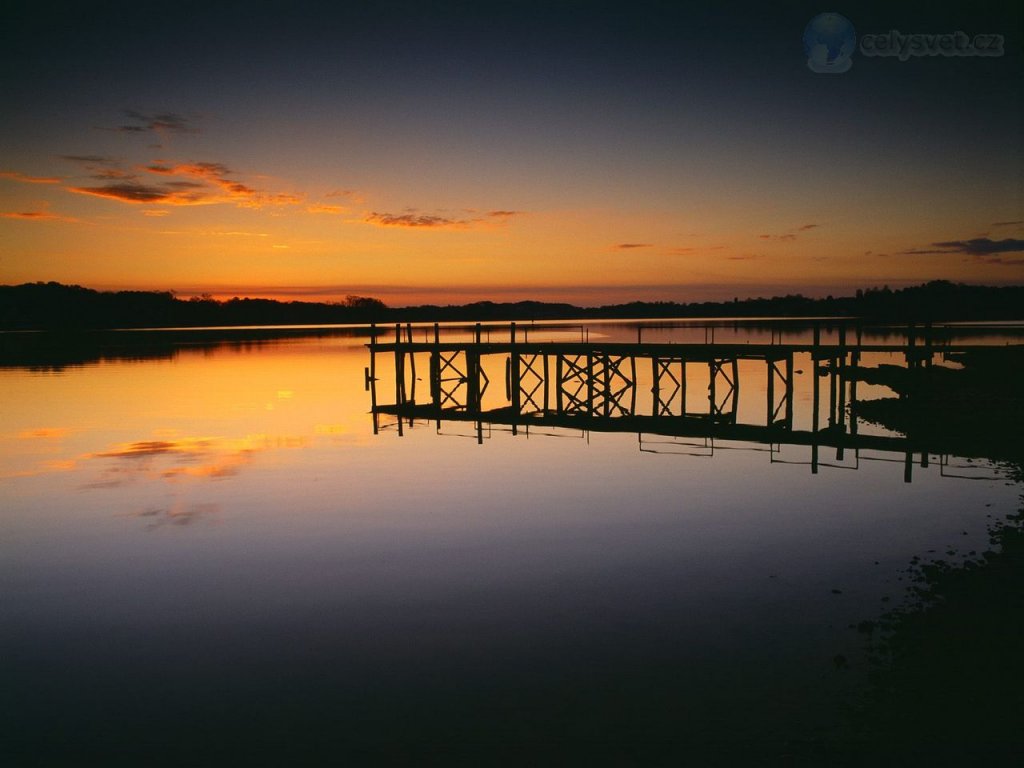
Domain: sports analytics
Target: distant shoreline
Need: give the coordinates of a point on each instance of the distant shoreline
(54, 306)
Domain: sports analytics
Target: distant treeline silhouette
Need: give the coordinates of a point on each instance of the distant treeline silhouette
(57, 306)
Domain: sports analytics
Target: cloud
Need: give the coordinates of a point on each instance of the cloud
(90, 159)
(43, 433)
(690, 250)
(978, 246)
(746, 257)
(1007, 223)
(414, 220)
(159, 122)
(16, 176)
(139, 193)
(791, 235)
(201, 184)
(1002, 262)
(624, 246)
(332, 209)
(42, 215)
(348, 194)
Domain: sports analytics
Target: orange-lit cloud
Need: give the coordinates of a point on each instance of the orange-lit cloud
(349, 194)
(16, 176)
(790, 235)
(413, 220)
(693, 249)
(215, 175)
(332, 209)
(40, 215)
(197, 184)
(625, 246)
(43, 433)
(428, 221)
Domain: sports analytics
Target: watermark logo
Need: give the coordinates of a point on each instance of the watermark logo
(829, 43)
(895, 43)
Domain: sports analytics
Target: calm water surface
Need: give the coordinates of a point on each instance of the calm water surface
(210, 556)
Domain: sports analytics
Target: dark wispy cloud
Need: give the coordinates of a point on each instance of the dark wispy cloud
(90, 159)
(790, 235)
(626, 246)
(351, 195)
(43, 215)
(24, 177)
(140, 193)
(432, 221)
(978, 246)
(413, 220)
(159, 122)
(690, 250)
(1007, 223)
(746, 257)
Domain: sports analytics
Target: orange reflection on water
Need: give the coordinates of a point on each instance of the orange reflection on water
(204, 413)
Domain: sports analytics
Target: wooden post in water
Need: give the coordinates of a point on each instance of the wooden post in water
(712, 375)
(632, 399)
(656, 386)
(515, 372)
(558, 383)
(833, 385)
(399, 375)
(855, 362)
(682, 385)
(735, 387)
(789, 391)
(547, 385)
(373, 377)
(770, 364)
(815, 408)
(590, 380)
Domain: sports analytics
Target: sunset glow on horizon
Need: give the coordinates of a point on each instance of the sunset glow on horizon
(561, 153)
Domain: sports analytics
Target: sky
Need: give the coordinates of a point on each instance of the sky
(563, 151)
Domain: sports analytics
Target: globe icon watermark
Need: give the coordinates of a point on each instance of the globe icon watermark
(829, 43)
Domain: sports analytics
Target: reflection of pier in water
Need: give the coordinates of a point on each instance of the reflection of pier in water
(593, 387)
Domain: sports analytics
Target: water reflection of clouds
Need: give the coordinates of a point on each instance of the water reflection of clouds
(182, 458)
(177, 514)
(43, 433)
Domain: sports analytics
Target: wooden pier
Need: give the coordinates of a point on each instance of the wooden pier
(594, 386)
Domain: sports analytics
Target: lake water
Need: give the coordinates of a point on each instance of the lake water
(208, 555)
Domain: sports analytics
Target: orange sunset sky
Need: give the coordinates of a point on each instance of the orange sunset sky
(576, 152)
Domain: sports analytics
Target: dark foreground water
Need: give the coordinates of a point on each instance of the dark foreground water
(207, 557)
